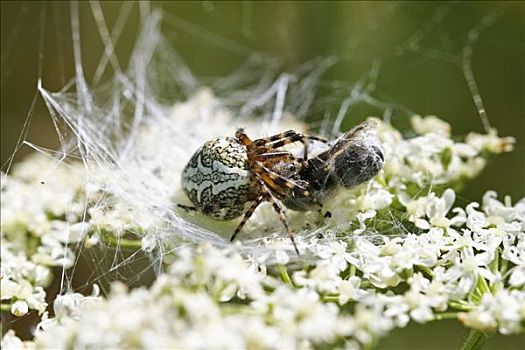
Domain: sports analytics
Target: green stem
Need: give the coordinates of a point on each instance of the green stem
(5, 307)
(459, 305)
(284, 275)
(350, 272)
(366, 284)
(109, 239)
(446, 316)
(475, 340)
(426, 271)
(494, 264)
(482, 285)
(504, 264)
(481, 289)
(330, 298)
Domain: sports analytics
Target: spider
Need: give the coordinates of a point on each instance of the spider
(228, 177)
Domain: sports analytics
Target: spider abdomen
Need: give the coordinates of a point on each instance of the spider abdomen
(217, 178)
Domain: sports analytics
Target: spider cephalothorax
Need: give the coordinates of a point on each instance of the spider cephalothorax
(228, 177)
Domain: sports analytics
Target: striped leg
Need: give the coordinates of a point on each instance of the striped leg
(277, 182)
(270, 197)
(187, 207)
(268, 144)
(243, 138)
(287, 137)
(247, 215)
(275, 157)
(282, 216)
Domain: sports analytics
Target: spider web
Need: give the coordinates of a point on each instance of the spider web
(100, 118)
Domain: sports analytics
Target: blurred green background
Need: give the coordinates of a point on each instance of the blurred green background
(214, 38)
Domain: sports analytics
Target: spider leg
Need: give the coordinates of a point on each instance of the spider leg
(287, 137)
(275, 156)
(243, 138)
(187, 207)
(247, 215)
(289, 134)
(277, 182)
(280, 211)
(266, 140)
(274, 180)
(284, 156)
(281, 214)
(305, 150)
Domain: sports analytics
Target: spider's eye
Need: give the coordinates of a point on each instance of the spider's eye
(292, 167)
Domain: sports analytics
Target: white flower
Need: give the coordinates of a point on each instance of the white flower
(301, 313)
(52, 252)
(504, 311)
(434, 208)
(362, 217)
(324, 277)
(438, 208)
(22, 281)
(476, 220)
(396, 310)
(349, 290)
(281, 257)
(430, 124)
(371, 319)
(339, 255)
(68, 233)
(255, 333)
(19, 308)
(468, 268)
(420, 304)
(224, 274)
(12, 342)
(515, 253)
(380, 270)
(490, 142)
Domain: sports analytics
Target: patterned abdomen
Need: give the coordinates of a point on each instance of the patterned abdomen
(217, 178)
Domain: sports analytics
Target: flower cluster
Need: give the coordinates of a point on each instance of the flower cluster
(394, 250)
(205, 292)
(469, 271)
(41, 221)
(22, 281)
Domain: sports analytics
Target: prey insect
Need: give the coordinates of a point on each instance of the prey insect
(228, 177)
(351, 160)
